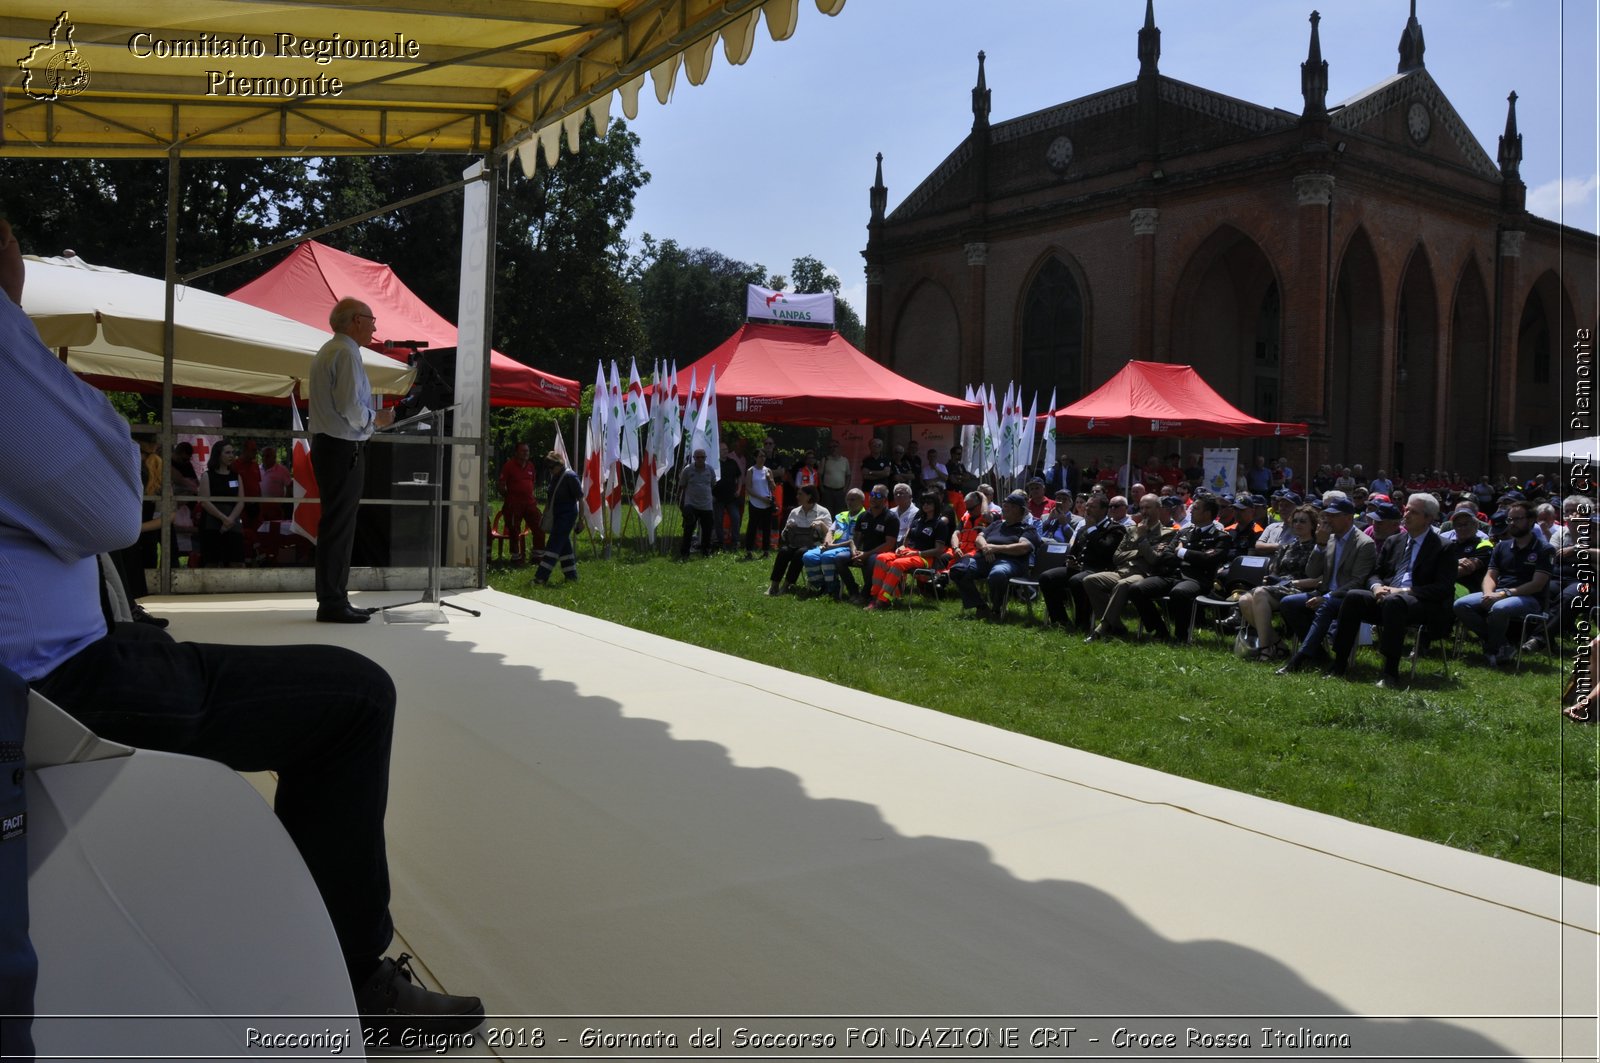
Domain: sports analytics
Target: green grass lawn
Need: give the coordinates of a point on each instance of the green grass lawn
(1483, 761)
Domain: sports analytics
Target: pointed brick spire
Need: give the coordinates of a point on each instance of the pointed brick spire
(1149, 42)
(1411, 45)
(879, 195)
(1314, 76)
(1511, 142)
(980, 99)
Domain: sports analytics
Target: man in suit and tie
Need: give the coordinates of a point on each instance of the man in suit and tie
(1343, 564)
(1413, 583)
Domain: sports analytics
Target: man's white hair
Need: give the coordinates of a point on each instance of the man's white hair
(1430, 505)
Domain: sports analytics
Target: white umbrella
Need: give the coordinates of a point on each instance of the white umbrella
(111, 322)
(1565, 452)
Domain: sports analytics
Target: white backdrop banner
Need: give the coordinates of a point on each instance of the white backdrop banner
(764, 304)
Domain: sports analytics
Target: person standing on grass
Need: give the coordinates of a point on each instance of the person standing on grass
(565, 493)
(517, 488)
(725, 500)
(695, 500)
(835, 479)
(758, 493)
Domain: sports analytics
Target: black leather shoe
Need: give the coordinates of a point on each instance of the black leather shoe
(390, 1002)
(342, 614)
(367, 609)
(142, 617)
(1389, 682)
(1292, 665)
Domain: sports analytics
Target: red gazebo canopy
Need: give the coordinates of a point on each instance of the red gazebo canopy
(787, 374)
(1163, 399)
(314, 276)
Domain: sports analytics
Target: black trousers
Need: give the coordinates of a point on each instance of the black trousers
(340, 469)
(1054, 587)
(1392, 615)
(786, 567)
(693, 518)
(1146, 596)
(1183, 594)
(322, 717)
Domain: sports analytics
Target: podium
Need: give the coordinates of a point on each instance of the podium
(429, 609)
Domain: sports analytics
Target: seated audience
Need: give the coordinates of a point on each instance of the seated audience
(1038, 504)
(876, 530)
(1140, 554)
(926, 546)
(1060, 524)
(1005, 549)
(1093, 550)
(821, 563)
(1409, 584)
(1341, 566)
(935, 475)
(806, 527)
(1200, 551)
(1286, 575)
(1469, 546)
(904, 509)
(1519, 570)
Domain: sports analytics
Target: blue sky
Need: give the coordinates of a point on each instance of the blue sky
(772, 160)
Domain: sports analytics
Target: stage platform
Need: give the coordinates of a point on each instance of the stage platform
(589, 821)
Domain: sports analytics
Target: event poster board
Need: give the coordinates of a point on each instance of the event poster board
(1222, 469)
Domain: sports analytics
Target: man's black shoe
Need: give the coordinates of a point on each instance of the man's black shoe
(367, 609)
(341, 614)
(1292, 665)
(1390, 681)
(389, 1001)
(142, 617)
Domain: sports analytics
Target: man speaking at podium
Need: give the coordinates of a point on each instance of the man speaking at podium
(342, 419)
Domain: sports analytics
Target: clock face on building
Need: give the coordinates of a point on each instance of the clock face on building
(1059, 154)
(1418, 122)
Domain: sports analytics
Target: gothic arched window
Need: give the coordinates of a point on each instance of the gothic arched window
(1052, 336)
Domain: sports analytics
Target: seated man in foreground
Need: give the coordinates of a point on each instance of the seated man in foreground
(1411, 584)
(1514, 586)
(1005, 549)
(320, 716)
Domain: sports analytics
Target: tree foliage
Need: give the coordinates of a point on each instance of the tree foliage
(690, 299)
(113, 211)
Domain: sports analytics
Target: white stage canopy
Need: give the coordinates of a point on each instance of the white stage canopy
(111, 324)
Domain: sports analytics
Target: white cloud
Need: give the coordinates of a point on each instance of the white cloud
(1570, 200)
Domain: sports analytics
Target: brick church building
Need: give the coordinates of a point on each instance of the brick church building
(1364, 267)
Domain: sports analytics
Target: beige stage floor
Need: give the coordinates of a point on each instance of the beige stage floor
(589, 821)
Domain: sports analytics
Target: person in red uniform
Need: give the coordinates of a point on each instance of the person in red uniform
(516, 487)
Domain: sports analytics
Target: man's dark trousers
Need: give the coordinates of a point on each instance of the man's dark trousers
(322, 717)
(340, 470)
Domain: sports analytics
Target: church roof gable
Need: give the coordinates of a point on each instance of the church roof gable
(1366, 110)
(1227, 109)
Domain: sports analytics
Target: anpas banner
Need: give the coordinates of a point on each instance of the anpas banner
(764, 304)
